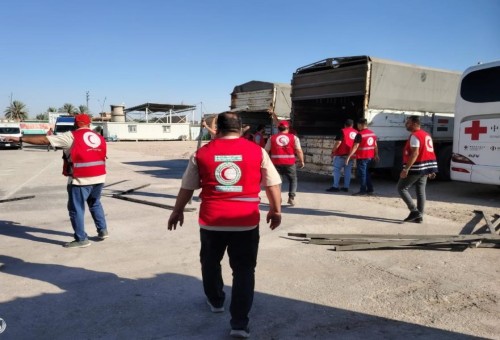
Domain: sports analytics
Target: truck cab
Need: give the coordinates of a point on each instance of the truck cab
(64, 124)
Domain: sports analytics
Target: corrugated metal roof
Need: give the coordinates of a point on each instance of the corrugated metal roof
(155, 107)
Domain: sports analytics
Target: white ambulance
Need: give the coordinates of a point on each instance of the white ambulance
(476, 138)
(9, 129)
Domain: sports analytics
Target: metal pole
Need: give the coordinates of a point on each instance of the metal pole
(88, 102)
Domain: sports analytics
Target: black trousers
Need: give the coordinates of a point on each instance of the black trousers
(242, 248)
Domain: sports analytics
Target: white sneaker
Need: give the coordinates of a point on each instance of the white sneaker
(240, 333)
(215, 309)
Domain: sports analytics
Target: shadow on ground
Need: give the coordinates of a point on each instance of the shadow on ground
(173, 168)
(94, 305)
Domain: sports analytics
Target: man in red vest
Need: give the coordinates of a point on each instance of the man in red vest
(84, 154)
(284, 147)
(259, 136)
(419, 163)
(230, 171)
(366, 150)
(343, 145)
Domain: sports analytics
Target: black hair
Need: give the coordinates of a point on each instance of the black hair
(349, 123)
(228, 122)
(414, 119)
(362, 121)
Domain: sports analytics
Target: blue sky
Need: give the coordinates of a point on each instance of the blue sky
(197, 51)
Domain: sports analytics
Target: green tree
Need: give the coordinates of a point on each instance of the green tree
(16, 111)
(83, 109)
(69, 108)
(51, 109)
(42, 116)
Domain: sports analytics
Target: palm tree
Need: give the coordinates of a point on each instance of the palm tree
(42, 116)
(83, 109)
(51, 109)
(16, 111)
(69, 108)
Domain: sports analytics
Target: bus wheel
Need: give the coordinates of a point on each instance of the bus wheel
(444, 160)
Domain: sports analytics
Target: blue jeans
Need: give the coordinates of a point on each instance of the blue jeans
(290, 172)
(364, 176)
(338, 164)
(242, 248)
(404, 184)
(77, 197)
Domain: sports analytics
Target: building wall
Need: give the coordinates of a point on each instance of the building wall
(146, 131)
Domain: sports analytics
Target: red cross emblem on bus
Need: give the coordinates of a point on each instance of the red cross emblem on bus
(475, 130)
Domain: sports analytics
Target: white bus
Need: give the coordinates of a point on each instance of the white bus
(476, 137)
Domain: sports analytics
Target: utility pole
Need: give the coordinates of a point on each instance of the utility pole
(88, 102)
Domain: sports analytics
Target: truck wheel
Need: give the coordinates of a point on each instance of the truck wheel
(444, 161)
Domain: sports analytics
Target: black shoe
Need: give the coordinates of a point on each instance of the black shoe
(77, 244)
(370, 193)
(344, 189)
(360, 193)
(413, 217)
(102, 234)
(332, 189)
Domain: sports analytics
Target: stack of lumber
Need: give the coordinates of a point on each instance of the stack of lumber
(485, 237)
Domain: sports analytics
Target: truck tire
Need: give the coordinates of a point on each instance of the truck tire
(444, 161)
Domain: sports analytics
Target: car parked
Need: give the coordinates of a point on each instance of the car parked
(10, 130)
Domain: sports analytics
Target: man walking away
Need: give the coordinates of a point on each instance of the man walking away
(343, 145)
(419, 163)
(284, 148)
(84, 155)
(229, 170)
(366, 150)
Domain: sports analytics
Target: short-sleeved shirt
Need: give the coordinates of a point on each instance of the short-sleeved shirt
(414, 142)
(65, 142)
(191, 177)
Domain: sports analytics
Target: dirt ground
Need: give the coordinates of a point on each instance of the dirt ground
(144, 282)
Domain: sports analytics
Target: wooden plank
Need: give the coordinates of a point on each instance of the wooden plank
(132, 190)
(396, 244)
(394, 236)
(154, 204)
(17, 198)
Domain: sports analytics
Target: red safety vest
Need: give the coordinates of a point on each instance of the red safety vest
(348, 135)
(426, 161)
(283, 149)
(259, 139)
(230, 173)
(88, 155)
(366, 149)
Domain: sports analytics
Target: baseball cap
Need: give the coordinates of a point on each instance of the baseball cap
(82, 118)
(284, 123)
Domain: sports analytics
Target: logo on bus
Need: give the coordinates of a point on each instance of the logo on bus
(475, 130)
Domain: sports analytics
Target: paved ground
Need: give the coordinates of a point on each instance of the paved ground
(144, 282)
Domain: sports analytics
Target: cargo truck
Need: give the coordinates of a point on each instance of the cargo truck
(253, 100)
(326, 93)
